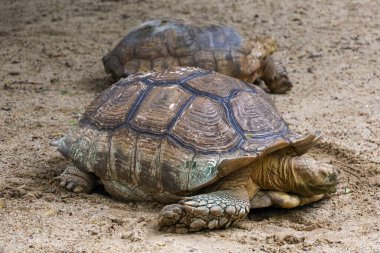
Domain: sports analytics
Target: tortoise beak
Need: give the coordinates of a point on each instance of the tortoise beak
(327, 186)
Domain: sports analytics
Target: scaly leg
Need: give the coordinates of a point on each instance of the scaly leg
(73, 179)
(214, 210)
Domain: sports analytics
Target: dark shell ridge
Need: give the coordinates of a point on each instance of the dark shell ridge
(189, 85)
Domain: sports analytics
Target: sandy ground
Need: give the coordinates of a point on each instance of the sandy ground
(50, 70)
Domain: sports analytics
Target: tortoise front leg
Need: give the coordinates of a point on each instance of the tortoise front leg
(213, 210)
(73, 179)
(281, 199)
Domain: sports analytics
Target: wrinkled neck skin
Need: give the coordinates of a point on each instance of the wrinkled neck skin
(275, 172)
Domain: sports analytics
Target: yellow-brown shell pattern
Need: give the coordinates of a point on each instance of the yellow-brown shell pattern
(175, 131)
(162, 44)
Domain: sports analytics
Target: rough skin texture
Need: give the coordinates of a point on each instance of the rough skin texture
(214, 210)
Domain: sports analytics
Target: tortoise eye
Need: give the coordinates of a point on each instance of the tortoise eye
(164, 22)
(148, 27)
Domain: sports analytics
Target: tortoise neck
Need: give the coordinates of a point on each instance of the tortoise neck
(274, 172)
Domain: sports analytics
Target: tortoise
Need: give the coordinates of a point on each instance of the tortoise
(163, 43)
(209, 145)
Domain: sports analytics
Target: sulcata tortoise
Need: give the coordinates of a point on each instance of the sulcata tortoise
(197, 138)
(161, 44)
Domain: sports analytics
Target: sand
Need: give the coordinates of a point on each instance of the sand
(50, 58)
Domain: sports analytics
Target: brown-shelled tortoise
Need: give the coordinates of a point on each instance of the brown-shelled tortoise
(163, 43)
(205, 141)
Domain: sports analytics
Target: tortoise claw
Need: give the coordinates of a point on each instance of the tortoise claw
(170, 215)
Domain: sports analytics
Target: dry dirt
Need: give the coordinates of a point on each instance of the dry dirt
(50, 55)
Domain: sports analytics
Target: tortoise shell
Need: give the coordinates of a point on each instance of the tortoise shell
(175, 131)
(160, 44)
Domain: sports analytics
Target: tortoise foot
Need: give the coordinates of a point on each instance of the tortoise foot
(207, 211)
(75, 180)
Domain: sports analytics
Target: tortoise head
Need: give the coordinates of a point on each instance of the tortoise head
(275, 76)
(312, 177)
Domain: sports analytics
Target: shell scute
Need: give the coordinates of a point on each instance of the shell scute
(123, 156)
(186, 61)
(151, 48)
(175, 75)
(204, 59)
(211, 36)
(264, 145)
(216, 84)
(181, 41)
(203, 168)
(256, 115)
(112, 111)
(159, 108)
(241, 65)
(175, 166)
(147, 157)
(204, 125)
(232, 36)
(224, 62)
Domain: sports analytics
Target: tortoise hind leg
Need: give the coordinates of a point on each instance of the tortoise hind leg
(73, 179)
(213, 210)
